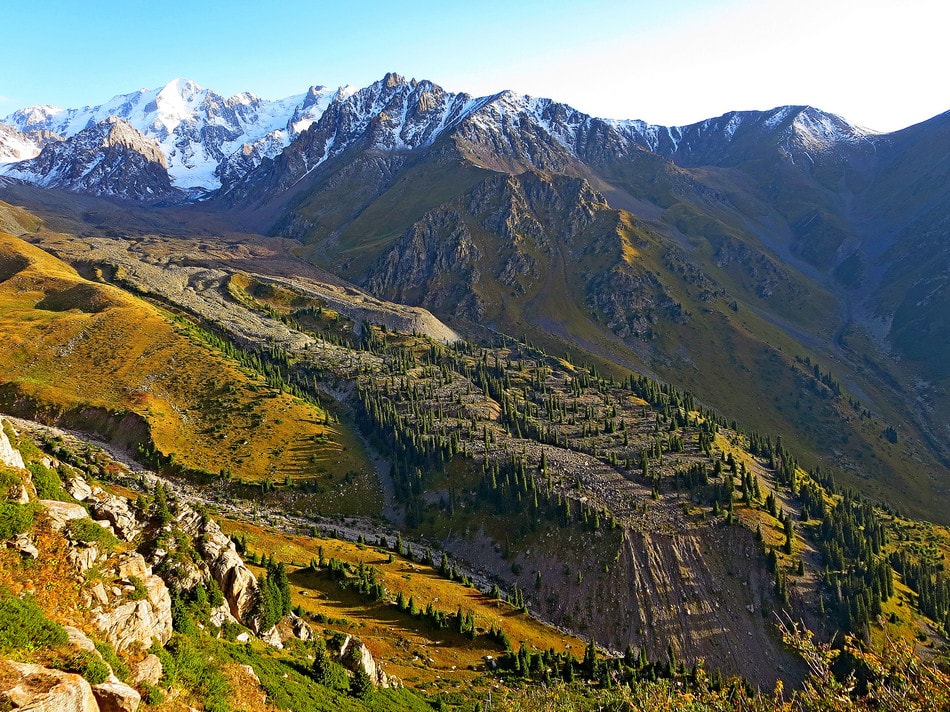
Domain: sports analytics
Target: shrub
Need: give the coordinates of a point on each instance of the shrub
(108, 654)
(15, 518)
(24, 626)
(87, 664)
(48, 483)
(88, 532)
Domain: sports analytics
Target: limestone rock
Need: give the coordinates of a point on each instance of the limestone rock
(41, 689)
(82, 558)
(355, 655)
(79, 489)
(116, 696)
(221, 615)
(25, 546)
(117, 512)
(272, 637)
(300, 628)
(61, 513)
(9, 455)
(132, 564)
(138, 622)
(79, 640)
(147, 671)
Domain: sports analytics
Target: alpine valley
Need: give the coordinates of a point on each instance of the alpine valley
(394, 398)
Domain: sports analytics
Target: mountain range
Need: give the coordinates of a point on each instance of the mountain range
(651, 384)
(717, 256)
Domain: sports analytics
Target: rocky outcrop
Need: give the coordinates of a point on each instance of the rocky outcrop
(137, 622)
(107, 159)
(40, 689)
(354, 655)
(61, 513)
(225, 565)
(116, 511)
(9, 455)
(147, 671)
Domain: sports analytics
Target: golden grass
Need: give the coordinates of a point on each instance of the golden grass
(410, 648)
(71, 344)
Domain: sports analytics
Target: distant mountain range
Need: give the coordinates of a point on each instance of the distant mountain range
(718, 256)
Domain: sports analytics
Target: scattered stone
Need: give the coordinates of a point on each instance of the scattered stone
(25, 546)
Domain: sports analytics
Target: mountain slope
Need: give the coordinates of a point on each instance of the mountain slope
(618, 238)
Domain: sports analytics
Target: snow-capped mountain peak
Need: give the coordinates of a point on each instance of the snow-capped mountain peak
(202, 134)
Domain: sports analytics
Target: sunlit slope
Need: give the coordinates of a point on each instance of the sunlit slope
(92, 356)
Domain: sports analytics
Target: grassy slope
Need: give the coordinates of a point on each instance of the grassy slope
(71, 345)
(412, 649)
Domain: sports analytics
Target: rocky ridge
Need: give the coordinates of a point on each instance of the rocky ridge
(110, 159)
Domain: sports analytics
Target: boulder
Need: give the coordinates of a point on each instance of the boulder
(117, 512)
(25, 546)
(61, 513)
(41, 689)
(221, 615)
(148, 671)
(116, 696)
(293, 626)
(79, 489)
(79, 640)
(9, 455)
(272, 637)
(82, 558)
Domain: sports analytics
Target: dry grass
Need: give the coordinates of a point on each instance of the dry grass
(410, 648)
(73, 345)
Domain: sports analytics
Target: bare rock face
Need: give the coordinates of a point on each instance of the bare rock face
(9, 455)
(272, 637)
(41, 689)
(138, 621)
(116, 696)
(237, 582)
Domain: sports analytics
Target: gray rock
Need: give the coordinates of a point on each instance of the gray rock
(79, 489)
(272, 637)
(39, 689)
(117, 512)
(61, 513)
(25, 546)
(138, 622)
(79, 640)
(355, 655)
(9, 455)
(147, 671)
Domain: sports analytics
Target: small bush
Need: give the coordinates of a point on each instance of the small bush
(152, 695)
(87, 664)
(88, 532)
(24, 626)
(48, 483)
(108, 654)
(15, 518)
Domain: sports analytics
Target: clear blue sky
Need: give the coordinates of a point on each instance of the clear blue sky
(883, 65)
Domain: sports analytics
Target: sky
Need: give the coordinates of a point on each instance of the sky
(881, 65)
